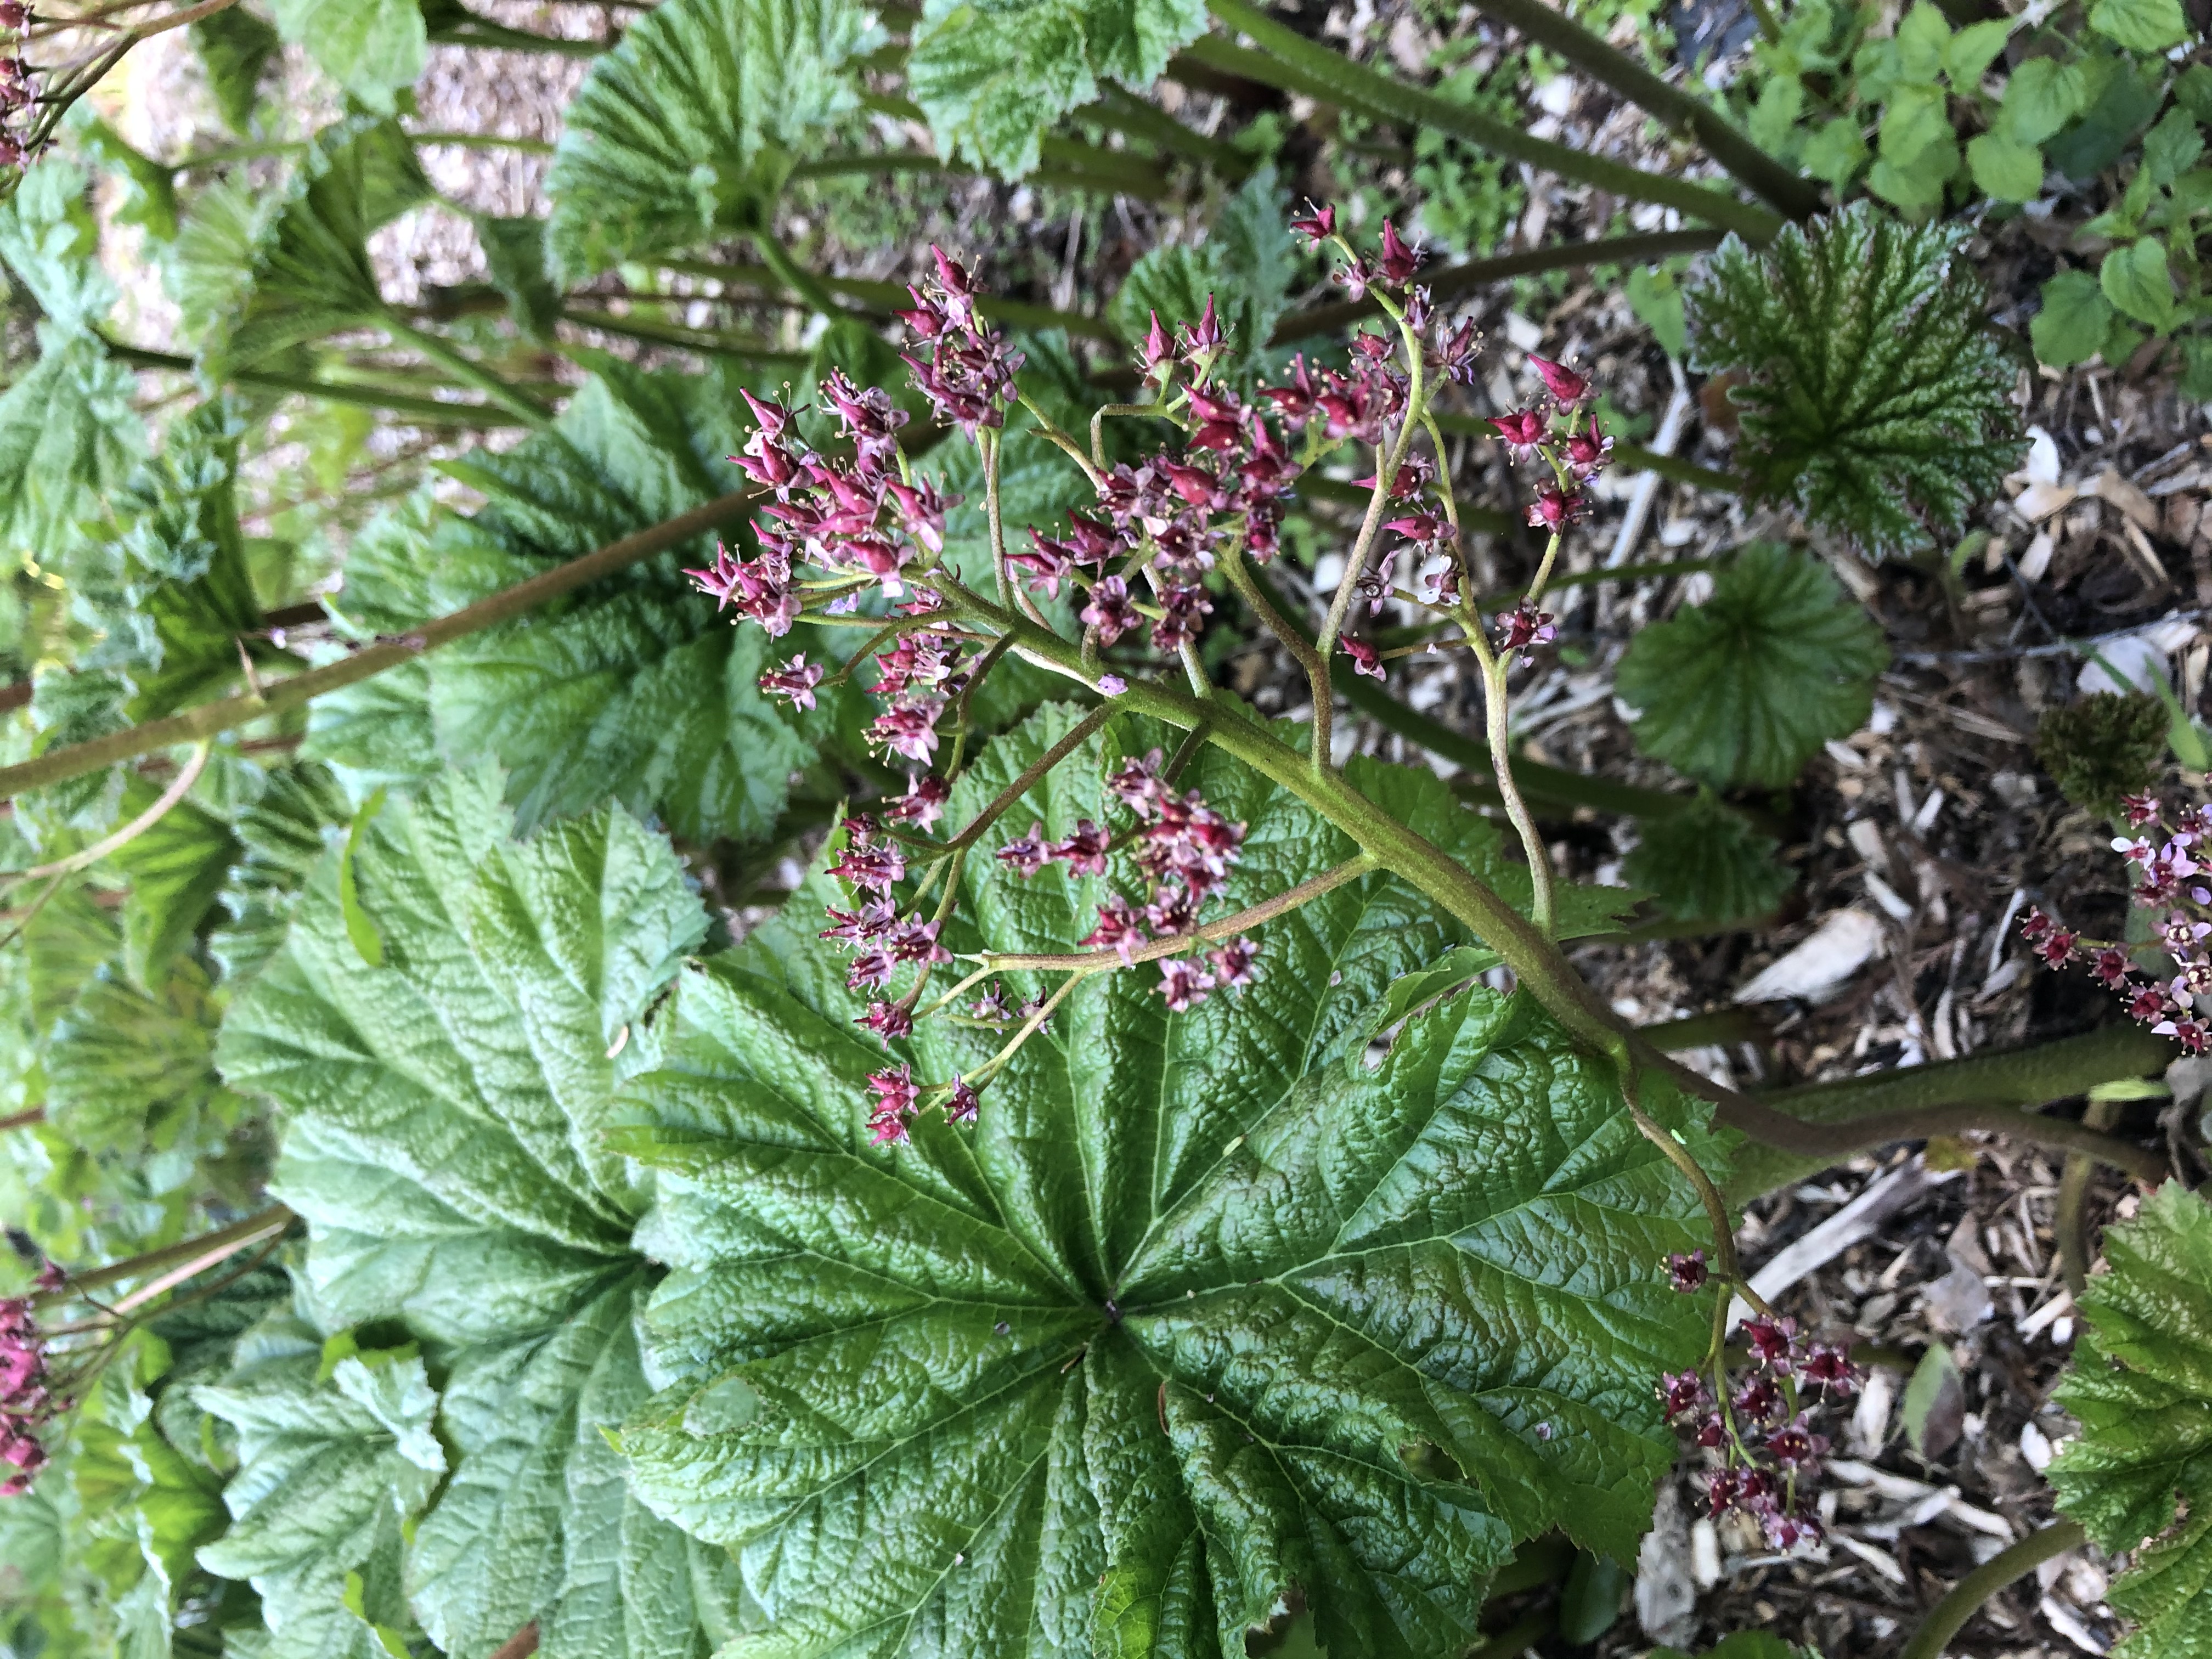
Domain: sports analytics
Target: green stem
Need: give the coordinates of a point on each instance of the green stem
(483, 141)
(712, 342)
(2071, 1221)
(471, 30)
(866, 163)
(469, 371)
(236, 1237)
(1517, 1638)
(2001, 1085)
(1676, 109)
(427, 411)
(1123, 111)
(796, 277)
(1453, 280)
(77, 759)
(1290, 61)
(1949, 1616)
(1551, 785)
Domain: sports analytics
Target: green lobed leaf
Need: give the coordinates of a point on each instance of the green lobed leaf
(1203, 1322)
(1745, 687)
(2139, 1475)
(175, 869)
(993, 75)
(678, 136)
(1708, 864)
(311, 270)
(280, 839)
(49, 242)
(2074, 319)
(1246, 267)
(1876, 399)
(331, 1470)
(445, 1144)
(635, 688)
(374, 49)
(235, 48)
(68, 434)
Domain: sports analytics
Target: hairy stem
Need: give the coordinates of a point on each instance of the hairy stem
(1123, 111)
(427, 411)
(2071, 1223)
(1999, 1084)
(1949, 1616)
(712, 342)
(1288, 60)
(215, 1246)
(1677, 110)
(205, 721)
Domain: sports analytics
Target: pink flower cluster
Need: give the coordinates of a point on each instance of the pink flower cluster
(28, 1403)
(2171, 878)
(1761, 1425)
(19, 97)
(968, 377)
(1185, 849)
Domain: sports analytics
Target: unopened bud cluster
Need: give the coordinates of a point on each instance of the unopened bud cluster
(1758, 1424)
(2171, 874)
(29, 1401)
(19, 94)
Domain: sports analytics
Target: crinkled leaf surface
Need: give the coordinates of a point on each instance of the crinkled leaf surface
(445, 1143)
(329, 1472)
(993, 75)
(635, 688)
(1877, 400)
(1203, 1322)
(312, 274)
(1745, 687)
(49, 242)
(280, 838)
(676, 137)
(68, 434)
(2139, 1476)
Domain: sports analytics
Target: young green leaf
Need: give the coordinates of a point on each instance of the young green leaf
(331, 1470)
(235, 48)
(635, 689)
(1876, 399)
(447, 1114)
(374, 49)
(681, 135)
(2004, 167)
(68, 436)
(49, 242)
(993, 75)
(1204, 1320)
(1745, 687)
(1709, 865)
(311, 270)
(2135, 279)
(2140, 25)
(2139, 1475)
(2074, 319)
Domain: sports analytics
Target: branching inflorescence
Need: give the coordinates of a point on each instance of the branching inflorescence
(1758, 1422)
(2173, 891)
(19, 94)
(834, 531)
(31, 1396)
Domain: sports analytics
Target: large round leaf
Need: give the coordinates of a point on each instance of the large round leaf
(1209, 1318)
